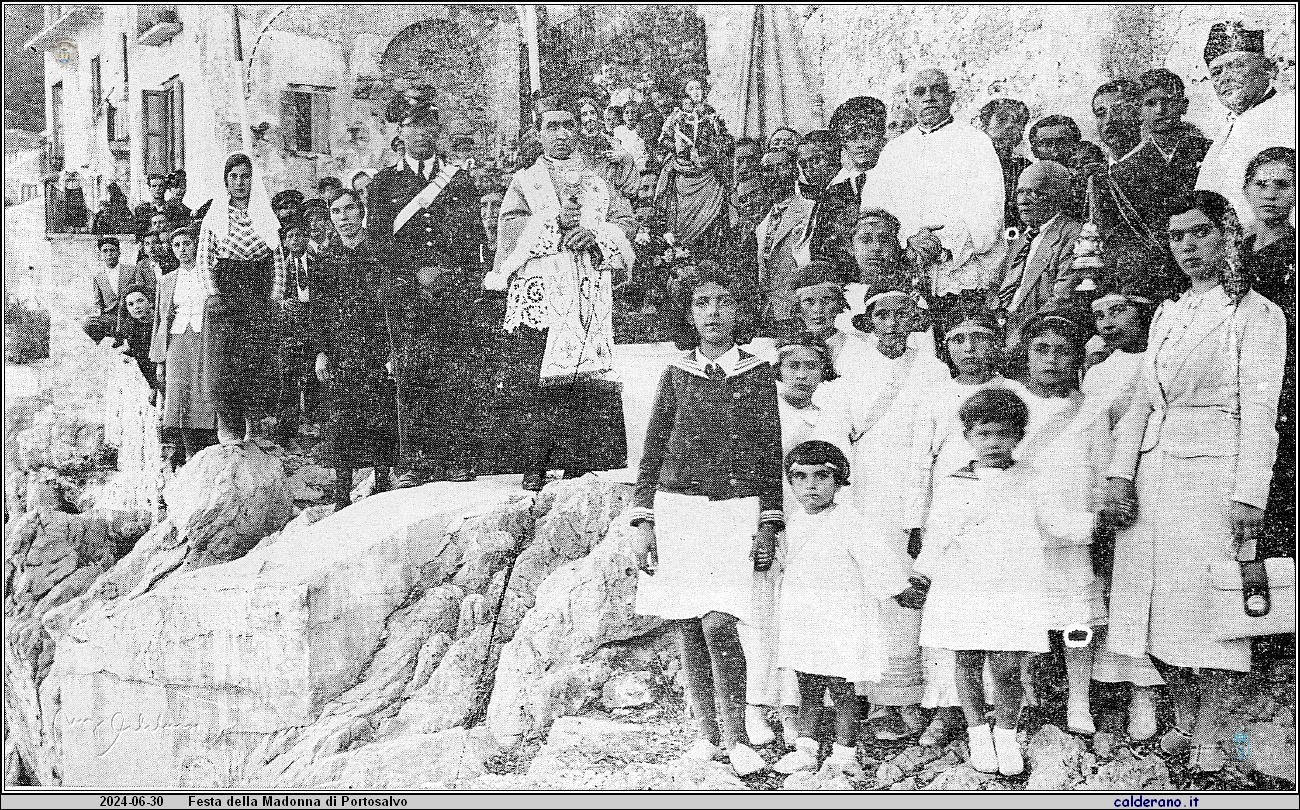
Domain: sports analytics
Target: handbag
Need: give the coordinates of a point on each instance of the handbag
(1255, 598)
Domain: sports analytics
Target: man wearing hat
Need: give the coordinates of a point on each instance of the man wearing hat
(1258, 115)
(860, 124)
(424, 213)
(287, 205)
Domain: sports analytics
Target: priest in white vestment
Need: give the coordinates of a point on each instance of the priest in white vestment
(943, 181)
(1258, 115)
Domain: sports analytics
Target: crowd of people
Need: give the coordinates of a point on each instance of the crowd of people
(940, 408)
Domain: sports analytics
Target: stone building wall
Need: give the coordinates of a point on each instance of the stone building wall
(1051, 56)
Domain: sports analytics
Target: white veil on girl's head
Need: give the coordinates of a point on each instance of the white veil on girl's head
(217, 220)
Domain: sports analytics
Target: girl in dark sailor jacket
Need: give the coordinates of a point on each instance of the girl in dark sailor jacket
(708, 506)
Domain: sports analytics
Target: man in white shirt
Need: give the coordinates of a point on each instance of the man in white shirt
(943, 181)
(1258, 116)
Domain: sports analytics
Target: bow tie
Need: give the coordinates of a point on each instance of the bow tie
(715, 372)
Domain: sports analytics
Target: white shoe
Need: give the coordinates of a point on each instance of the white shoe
(745, 760)
(844, 758)
(756, 726)
(1007, 749)
(1078, 718)
(1141, 715)
(702, 751)
(802, 758)
(983, 757)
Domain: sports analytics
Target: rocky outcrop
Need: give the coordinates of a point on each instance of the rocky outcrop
(550, 670)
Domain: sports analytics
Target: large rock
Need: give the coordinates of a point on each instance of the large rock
(208, 665)
(62, 442)
(628, 690)
(453, 756)
(547, 670)
(1054, 759)
(435, 661)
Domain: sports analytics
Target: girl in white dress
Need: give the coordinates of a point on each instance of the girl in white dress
(819, 293)
(836, 573)
(884, 401)
(1123, 318)
(1061, 449)
(804, 369)
(983, 559)
(971, 348)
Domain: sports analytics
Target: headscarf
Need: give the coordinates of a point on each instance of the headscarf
(217, 220)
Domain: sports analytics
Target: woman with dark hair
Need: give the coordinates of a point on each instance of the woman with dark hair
(1062, 448)
(352, 336)
(134, 331)
(708, 505)
(236, 257)
(180, 327)
(114, 214)
(1122, 316)
(971, 348)
(1268, 258)
(1192, 465)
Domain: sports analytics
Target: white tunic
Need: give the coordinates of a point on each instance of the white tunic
(835, 575)
(950, 177)
(1269, 123)
(939, 446)
(883, 405)
(984, 558)
(1060, 452)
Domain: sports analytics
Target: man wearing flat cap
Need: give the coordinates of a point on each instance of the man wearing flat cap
(424, 212)
(1258, 115)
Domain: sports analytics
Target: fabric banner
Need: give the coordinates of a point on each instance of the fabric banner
(762, 77)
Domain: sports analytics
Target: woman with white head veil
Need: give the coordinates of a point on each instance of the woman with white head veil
(237, 257)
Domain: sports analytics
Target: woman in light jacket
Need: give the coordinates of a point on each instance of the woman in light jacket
(1190, 474)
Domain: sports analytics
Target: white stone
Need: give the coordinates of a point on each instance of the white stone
(628, 689)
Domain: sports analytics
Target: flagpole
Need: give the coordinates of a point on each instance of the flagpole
(241, 79)
(529, 16)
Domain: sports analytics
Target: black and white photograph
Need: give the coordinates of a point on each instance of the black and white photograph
(413, 403)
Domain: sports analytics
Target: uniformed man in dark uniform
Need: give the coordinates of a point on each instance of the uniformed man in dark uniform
(424, 211)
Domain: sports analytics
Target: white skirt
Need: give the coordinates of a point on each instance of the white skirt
(704, 558)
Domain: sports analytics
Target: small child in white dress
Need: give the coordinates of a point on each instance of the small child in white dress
(983, 558)
(836, 574)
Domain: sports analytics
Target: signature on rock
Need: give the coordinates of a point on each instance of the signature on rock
(120, 723)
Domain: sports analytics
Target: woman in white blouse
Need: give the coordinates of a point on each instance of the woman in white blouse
(1191, 471)
(177, 348)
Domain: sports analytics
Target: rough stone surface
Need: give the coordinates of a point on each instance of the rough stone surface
(546, 671)
(1145, 773)
(1053, 758)
(822, 779)
(628, 689)
(962, 777)
(887, 774)
(453, 755)
(59, 442)
(1272, 749)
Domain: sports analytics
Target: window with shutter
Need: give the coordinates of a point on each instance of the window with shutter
(320, 123)
(176, 133)
(154, 104)
(305, 121)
